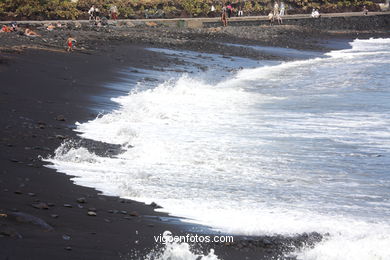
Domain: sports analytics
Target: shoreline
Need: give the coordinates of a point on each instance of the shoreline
(34, 126)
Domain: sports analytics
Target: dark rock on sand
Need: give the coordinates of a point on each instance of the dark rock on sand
(155, 205)
(40, 205)
(134, 214)
(66, 237)
(30, 219)
(81, 200)
(60, 118)
(61, 137)
(9, 232)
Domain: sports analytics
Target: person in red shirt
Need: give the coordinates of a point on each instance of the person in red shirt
(70, 41)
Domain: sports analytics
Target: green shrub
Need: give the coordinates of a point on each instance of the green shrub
(194, 7)
(65, 9)
(57, 9)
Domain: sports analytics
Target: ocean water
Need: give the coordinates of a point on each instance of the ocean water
(282, 148)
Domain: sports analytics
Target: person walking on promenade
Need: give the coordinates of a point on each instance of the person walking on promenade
(224, 16)
(91, 13)
(282, 9)
(97, 14)
(276, 9)
(229, 10)
(240, 12)
(212, 10)
(365, 10)
(315, 13)
(114, 12)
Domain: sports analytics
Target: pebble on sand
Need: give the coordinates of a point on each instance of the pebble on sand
(40, 205)
(65, 237)
(60, 118)
(10, 232)
(92, 213)
(134, 214)
(155, 205)
(81, 200)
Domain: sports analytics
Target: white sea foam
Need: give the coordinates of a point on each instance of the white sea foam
(297, 147)
(179, 251)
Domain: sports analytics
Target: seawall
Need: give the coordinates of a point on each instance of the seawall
(335, 21)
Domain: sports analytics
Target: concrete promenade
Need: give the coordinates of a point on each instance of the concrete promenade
(381, 19)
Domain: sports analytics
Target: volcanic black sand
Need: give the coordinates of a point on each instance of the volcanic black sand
(45, 90)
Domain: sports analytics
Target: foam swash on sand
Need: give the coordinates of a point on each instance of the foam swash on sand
(300, 146)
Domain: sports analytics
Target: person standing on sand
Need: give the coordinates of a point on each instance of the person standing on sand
(224, 17)
(70, 42)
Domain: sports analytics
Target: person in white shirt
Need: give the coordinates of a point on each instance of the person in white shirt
(315, 13)
(365, 10)
(282, 9)
(91, 13)
(276, 9)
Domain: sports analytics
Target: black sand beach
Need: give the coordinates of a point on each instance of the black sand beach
(45, 90)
